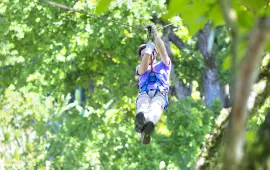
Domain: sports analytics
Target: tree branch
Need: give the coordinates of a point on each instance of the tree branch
(176, 41)
(260, 99)
(245, 78)
(60, 6)
(230, 17)
(253, 158)
(213, 140)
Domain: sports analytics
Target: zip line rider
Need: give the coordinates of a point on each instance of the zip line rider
(154, 79)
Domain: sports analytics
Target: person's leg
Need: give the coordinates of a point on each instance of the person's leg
(142, 104)
(148, 129)
(155, 110)
(156, 107)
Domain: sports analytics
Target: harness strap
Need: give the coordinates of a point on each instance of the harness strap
(144, 88)
(152, 78)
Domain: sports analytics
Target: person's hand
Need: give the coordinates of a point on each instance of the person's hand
(150, 46)
(153, 29)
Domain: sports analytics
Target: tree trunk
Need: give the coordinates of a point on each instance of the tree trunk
(246, 76)
(210, 75)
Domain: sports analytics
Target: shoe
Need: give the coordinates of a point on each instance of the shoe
(148, 129)
(139, 122)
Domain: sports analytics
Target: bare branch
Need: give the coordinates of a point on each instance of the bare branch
(230, 17)
(245, 79)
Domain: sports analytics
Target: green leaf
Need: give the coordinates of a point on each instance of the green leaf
(216, 16)
(267, 9)
(194, 15)
(267, 47)
(102, 6)
(7, 136)
(16, 154)
(227, 63)
(175, 7)
(255, 4)
(245, 19)
(251, 136)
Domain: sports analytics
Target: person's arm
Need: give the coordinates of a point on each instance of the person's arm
(148, 52)
(160, 46)
(144, 64)
(162, 50)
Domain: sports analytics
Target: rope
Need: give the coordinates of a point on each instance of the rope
(151, 61)
(99, 17)
(105, 18)
(150, 38)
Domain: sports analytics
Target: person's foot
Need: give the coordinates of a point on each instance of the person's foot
(139, 122)
(147, 130)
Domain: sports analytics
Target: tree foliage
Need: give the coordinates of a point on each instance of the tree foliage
(68, 86)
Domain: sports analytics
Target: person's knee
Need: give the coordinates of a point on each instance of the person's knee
(155, 119)
(142, 101)
(156, 108)
(158, 102)
(142, 108)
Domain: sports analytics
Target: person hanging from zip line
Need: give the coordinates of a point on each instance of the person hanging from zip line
(154, 77)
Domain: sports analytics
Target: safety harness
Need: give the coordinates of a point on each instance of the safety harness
(153, 79)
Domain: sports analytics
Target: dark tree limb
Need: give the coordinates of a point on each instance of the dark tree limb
(177, 41)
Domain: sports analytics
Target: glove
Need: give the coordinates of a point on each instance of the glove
(153, 29)
(150, 46)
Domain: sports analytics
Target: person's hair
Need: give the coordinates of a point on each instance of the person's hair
(140, 48)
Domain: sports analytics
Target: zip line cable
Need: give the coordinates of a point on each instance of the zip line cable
(99, 17)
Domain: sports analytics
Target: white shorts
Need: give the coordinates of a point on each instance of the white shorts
(151, 105)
